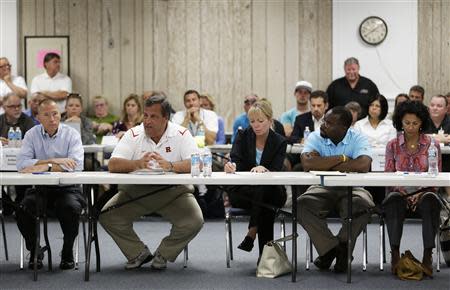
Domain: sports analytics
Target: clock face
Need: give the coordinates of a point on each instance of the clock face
(373, 30)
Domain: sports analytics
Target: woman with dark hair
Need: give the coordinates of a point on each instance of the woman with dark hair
(258, 149)
(375, 126)
(130, 116)
(409, 152)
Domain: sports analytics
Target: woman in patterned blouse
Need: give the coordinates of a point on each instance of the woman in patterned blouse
(409, 152)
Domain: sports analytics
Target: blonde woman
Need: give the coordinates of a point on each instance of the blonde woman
(130, 117)
(258, 149)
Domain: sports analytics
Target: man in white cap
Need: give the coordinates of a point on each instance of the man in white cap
(302, 92)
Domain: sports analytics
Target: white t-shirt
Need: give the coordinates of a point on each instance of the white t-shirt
(384, 132)
(4, 89)
(60, 82)
(208, 117)
(176, 144)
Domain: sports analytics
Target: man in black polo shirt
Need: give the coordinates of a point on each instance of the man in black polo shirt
(352, 87)
(440, 120)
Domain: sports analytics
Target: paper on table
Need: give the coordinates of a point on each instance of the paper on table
(328, 173)
(148, 172)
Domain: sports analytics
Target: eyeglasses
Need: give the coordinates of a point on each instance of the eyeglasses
(14, 106)
(5, 65)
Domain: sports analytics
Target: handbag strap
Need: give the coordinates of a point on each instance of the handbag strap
(285, 239)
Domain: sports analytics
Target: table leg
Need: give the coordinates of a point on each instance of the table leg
(294, 233)
(349, 233)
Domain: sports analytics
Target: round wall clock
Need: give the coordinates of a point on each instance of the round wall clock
(373, 30)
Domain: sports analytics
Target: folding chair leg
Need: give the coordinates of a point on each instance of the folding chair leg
(22, 246)
(77, 251)
(186, 249)
(365, 248)
(382, 248)
(308, 252)
(283, 230)
(228, 246)
(4, 236)
(438, 253)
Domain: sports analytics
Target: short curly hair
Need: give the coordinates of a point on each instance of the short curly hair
(411, 107)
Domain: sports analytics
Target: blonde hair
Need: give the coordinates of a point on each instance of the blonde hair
(210, 99)
(261, 108)
(124, 116)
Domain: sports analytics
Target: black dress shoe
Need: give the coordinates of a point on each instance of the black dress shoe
(324, 262)
(67, 264)
(247, 244)
(39, 261)
(341, 258)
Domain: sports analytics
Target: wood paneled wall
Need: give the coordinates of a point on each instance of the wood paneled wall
(227, 48)
(434, 46)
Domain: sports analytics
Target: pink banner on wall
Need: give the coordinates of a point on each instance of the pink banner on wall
(41, 54)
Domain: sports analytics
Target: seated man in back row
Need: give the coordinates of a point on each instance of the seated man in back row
(170, 145)
(335, 147)
(52, 146)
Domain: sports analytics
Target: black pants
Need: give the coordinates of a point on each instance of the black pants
(67, 203)
(261, 217)
(395, 212)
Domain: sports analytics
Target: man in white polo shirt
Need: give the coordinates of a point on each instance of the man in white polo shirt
(194, 117)
(156, 140)
(10, 83)
(52, 84)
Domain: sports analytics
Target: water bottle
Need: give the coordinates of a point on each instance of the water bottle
(200, 137)
(306, 134)
(11, 137)
(432, 160)
(195, 164)
(207, 162)
(18, 137)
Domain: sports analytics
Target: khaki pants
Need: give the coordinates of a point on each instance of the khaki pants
(315, 205)
(176, 204)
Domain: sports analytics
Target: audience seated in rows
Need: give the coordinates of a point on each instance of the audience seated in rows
(33, 104)
(318, 102)
(409, 152)
(194, 117)
(102, 120)
(439, 119)
(73, 114)
(13, 117)
(302, 92)
(352, 87)
(378, 130)
(52, 83)
(10, 83)
(130, 116)
(241, 122)
(207, 103)
(417, 93)
(355, 110)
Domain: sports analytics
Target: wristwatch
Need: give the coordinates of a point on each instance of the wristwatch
(50, 166)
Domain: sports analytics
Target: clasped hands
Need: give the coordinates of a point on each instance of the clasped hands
(145, 161)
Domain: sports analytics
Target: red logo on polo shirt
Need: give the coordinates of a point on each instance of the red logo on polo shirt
(168, 150)
(134, 135)
(182, 133)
